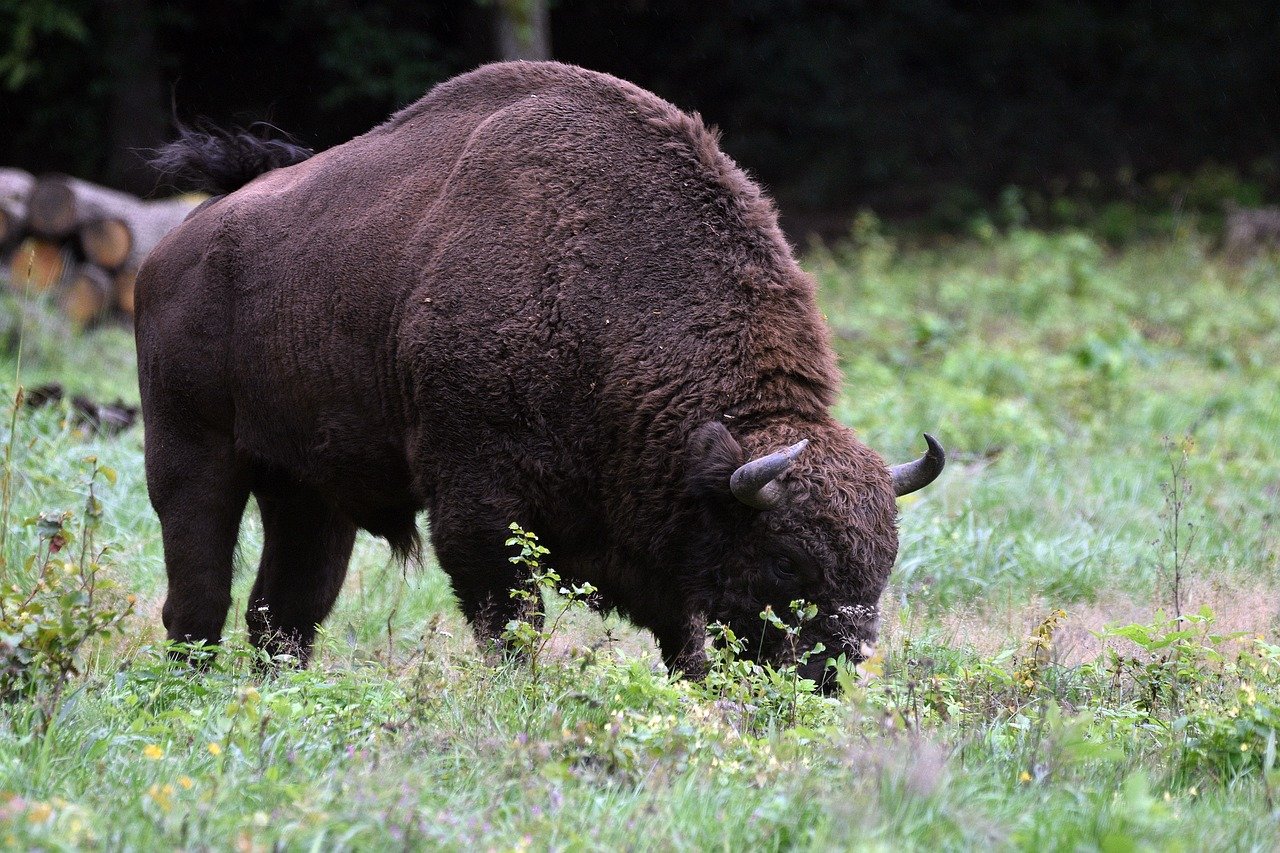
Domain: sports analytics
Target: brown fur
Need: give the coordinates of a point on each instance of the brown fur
(541, 295)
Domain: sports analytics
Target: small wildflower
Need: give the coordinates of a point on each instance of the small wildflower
(161, 796)
(1194, 792)
(186, 782)
(153, 752)
(39, 812)
(215, 750)
(1024, 777)
(1244, 747)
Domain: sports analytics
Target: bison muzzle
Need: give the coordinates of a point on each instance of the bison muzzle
(539, 294)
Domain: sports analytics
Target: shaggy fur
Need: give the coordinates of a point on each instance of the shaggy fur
(540, 294)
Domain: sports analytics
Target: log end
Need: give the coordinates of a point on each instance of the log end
(37, 265)
(51, 208)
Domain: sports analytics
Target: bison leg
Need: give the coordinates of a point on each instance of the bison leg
(199, 488)
(483, 578)
(682, 644)
(307, 546)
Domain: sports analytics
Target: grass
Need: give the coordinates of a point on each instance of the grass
(1065, 379)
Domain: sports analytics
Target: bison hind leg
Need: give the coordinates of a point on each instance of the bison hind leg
(199, 488)
(307, 546)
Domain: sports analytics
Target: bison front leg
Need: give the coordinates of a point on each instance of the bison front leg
(306, 549)
(476, 559)
(683, 646)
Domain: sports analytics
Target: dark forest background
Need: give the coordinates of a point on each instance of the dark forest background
(926, 109)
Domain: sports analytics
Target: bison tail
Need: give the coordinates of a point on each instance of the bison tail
(219, 161)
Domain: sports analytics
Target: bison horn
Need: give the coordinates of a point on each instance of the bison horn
(753, 483)
(912, 476)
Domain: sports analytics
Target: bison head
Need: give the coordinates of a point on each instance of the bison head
(808, 514)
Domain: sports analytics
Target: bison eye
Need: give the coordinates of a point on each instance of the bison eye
(784, 568)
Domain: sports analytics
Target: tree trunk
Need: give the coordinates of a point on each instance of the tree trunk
(523, 28)
(151, 221)
(137, 103)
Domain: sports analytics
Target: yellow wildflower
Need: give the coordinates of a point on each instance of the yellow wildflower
(39, 812)
(153, 752)
(186, 782)
(215, 750)
(1024, 776)
(161, 796)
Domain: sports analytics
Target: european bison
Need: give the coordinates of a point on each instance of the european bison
(539, 294)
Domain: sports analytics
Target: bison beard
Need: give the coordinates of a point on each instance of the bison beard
(541, 295)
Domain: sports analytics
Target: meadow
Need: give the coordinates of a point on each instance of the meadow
(1079, 649)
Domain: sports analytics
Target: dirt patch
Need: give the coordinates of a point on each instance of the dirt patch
(1251, 606)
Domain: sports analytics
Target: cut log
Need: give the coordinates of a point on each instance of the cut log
(13, 221)
(106, 242)
(37, 265)
(149, 222)
(115, 230)
(59, 204)
(125, 280)
(15, 185)
(86, 296)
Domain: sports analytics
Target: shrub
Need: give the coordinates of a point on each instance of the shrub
(57, 600)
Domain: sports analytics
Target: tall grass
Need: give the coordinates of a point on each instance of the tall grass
(1052, 369)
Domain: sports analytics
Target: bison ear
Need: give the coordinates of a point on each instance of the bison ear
(713, 455)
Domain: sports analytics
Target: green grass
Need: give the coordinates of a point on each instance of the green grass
(1064, 379)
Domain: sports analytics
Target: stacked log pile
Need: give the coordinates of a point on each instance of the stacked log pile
(80, 242)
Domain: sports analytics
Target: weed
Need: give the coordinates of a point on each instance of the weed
(54, 603)
(803, 613)
(530, 636)
(1178, 534)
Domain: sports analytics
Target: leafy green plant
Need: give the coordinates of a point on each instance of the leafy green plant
(1217, 693)
(761, 694)
(57, 601)
(802, 612)
(530, 636)
(1178, 535)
